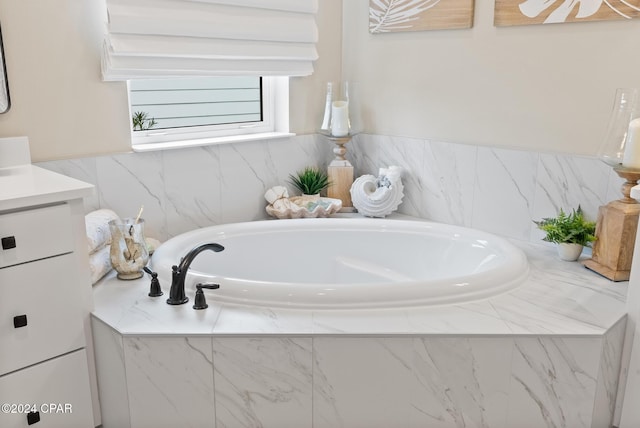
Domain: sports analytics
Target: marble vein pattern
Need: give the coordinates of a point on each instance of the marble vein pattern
(189, 188)
(263, 382)
(455, 319)
(83, 169)
(608, 375)
(408, 154)
(193, 187)
(557, 296)
(140, 314)
(412, 382)
(249, 169)
(170, 381)
(564, 182)
(449, 172)
(248, 320)
(131, 180)
(363, 153)
(446, 182)
(467, 380)
(110, 369)
(504, 192)
(553, 382)
(361, 382)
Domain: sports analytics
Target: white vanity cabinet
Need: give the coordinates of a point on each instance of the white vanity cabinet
(44, 301)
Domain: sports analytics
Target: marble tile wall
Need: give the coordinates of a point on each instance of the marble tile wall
(185, 189)
(333, 381)
(493, 189)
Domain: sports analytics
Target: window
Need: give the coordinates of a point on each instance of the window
(168, 113)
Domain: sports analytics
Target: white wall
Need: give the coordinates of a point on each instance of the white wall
(536, 87)
(60, 102)
(542, 87)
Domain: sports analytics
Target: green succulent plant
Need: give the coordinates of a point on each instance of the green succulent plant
(310, 180)
(568, 228)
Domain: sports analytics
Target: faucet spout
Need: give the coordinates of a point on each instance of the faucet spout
(177, 295)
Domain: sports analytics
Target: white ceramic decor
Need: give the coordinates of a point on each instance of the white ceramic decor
(378, 196)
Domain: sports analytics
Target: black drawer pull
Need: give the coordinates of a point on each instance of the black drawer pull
(20, 321)
(33, 418)
(8, 242)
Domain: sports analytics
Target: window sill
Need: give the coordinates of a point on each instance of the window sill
(151, 147)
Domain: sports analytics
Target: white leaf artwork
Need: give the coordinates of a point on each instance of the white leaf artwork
(586, 8)
(515, 12)
(412, 15)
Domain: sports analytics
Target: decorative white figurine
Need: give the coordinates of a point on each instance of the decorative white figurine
(378, 196)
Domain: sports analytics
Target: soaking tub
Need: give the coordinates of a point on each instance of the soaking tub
(346, 263)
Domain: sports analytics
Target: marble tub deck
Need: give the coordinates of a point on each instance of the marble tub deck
(558, 298)
(544, 355)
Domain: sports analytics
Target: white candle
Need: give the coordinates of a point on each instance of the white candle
(631, 158)
(340, 119)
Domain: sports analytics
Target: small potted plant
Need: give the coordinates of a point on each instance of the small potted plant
(310, 181)
(570, 231)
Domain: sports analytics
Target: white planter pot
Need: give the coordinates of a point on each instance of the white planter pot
(569, 252)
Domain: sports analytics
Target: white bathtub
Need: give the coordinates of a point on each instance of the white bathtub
(346, 263)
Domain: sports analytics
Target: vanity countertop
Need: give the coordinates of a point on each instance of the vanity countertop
(28, 185)
(558, 298)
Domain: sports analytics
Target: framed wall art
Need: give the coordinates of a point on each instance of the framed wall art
(386, 16)
(526, 12)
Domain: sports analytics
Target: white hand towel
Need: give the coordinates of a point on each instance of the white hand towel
(97, 225)
(99, 263)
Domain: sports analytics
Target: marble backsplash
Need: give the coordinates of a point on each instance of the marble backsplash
(493, 189)
(184, 189)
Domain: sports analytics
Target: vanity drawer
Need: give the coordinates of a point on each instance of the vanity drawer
(55, 389)
(35, 234)
(40, 312)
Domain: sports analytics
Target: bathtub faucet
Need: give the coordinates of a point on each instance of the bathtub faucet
(179, 274)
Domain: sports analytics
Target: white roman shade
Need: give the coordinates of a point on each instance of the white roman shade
(149, 39)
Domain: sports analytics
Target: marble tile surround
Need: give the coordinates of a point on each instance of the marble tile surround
(544, 355)
(493, 189)
(333, 381)
(498, 190)
(184, 189)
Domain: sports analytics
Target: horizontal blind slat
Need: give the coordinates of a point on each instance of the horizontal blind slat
(195, 96)
(202, 109)
(197, 83)
(204, 121)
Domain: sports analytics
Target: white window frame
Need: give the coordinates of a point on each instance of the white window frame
(274, 124)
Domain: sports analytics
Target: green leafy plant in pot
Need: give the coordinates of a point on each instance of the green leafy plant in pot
(572, 232)
(310, 181)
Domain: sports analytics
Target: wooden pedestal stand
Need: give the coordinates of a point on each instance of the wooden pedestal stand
(340, 174)
(616, 232)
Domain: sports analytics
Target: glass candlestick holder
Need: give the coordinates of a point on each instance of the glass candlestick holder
(340, 122)
(615, 142)
(617, 222)
(340, 118)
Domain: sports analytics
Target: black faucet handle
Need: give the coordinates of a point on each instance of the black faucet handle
(154, 290)
(208, 285)
(200, 302)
